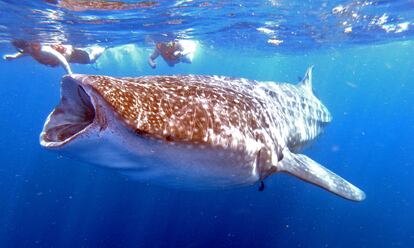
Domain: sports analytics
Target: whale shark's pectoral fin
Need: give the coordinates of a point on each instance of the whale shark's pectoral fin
(310, 171)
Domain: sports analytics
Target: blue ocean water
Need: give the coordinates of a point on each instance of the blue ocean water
(364, 76)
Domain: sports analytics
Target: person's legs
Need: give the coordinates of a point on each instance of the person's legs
(79, 56)
(86, 55)
(94, 52)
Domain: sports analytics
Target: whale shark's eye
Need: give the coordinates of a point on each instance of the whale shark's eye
(74, 113)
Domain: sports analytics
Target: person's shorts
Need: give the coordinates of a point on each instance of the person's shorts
(80, 56)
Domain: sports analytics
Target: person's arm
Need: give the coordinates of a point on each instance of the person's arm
(178, 53)
(185, 50)
(185, 55)
(153, 56)
(52, 52)
(186, 47)
(13, 56)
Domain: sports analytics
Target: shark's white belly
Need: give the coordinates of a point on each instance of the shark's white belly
(165, 163)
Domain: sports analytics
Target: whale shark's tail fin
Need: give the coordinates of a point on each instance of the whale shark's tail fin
(306, 82)
(310, 171)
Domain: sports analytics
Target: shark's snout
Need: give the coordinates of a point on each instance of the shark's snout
(73, 116)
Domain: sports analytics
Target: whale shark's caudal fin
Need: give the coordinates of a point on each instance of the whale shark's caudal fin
(307, 80)
(310, 171)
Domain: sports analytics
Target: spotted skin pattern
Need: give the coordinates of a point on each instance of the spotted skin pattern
(221, 112)
(182, 109)
(204, 109)
(199, 111)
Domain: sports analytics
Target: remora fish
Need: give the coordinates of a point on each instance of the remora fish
(193, 131)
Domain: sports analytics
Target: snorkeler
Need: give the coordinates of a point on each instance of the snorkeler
(56, 54)
(174, 52)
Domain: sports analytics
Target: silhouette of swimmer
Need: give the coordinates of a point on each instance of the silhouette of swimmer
(173, 52)
(56, 54)
(82, 5)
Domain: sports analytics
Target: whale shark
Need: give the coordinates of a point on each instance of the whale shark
(193, 131)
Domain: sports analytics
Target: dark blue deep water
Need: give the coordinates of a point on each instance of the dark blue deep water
(364, 75)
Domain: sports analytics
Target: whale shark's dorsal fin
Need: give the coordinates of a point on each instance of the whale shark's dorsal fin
(310, 171)
(307, 80)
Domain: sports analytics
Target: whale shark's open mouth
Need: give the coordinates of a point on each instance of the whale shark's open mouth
(74, 114)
